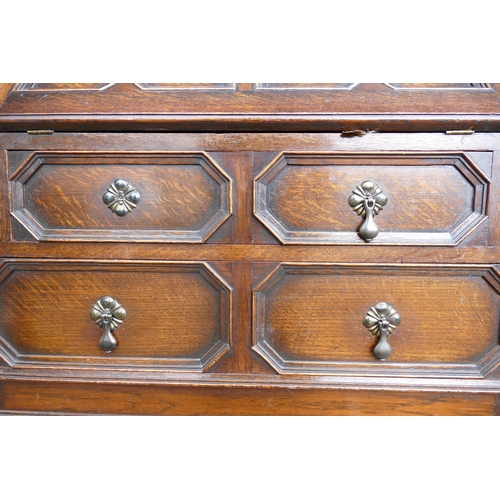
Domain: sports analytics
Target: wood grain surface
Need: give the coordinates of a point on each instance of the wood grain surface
(60, 196)
(433, 199)
(480, 144)
(309, 318)
(251, 106)
(140, 400)
(255, 253)
(178, 315)
(186, 262)
(440, 86)
(241, 157)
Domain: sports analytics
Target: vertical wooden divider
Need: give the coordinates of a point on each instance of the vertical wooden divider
(5, 228)
(242, 197)
(494, 205)
(242, 270)
(242, 317)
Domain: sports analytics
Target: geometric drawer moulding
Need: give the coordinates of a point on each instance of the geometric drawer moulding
(185, 86)
(60, 87)
(305, 86)
(176, 316)
(77, 196)
(432, 198)
(440, 86)
(310, 319)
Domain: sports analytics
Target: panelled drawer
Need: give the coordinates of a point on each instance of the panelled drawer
(417, 198)
(168, 315)
(310, 318)
(104, 196)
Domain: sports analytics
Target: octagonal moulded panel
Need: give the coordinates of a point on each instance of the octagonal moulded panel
(185, 86)
(305, 86)
(60, 87)
(308, 319)
(440, 86)
(178, 314)
(58, 196)
(433, 198)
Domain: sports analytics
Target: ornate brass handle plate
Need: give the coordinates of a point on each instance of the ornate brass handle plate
(121, 197)
(108, 314)
(367, 200)
(382, 320)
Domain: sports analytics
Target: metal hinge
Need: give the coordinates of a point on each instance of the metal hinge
(459, 132)
(40, 132)
(355, 133)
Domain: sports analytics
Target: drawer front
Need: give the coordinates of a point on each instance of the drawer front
(413, 198)
(311, 319)
(173, 316)
(165, 197)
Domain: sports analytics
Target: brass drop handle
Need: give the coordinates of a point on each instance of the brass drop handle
(367, 200)
(382, 320)
(108, 314)
(121, 197)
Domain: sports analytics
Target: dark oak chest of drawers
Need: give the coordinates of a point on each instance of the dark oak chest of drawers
(321, 249)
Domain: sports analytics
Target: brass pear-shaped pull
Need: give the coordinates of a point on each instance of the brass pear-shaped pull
(367, 200)
(382, 320)
(108, 314)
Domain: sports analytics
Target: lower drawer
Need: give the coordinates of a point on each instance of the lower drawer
(133, 315)
(440, 320)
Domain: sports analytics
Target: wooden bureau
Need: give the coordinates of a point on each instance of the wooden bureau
(250, 249)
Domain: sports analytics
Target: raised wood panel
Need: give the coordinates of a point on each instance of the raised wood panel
(434, 198)
(80, 398)
(185, 197)
(186, 86)
(178, 314)
(68, 87)
(305, 86)
(440, 86)
(59, 87)
(71, 87)
(308, 319)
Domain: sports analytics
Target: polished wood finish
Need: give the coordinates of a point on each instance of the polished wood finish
(440, 86)
(66, 398)
(250, 107)
(243, 278)
(308, 319)
(433, 198)
(305, 86)
(178, 314)
(255, 253)
(241, 158)
(59, 196)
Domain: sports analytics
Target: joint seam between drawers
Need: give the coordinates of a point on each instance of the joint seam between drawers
(2, 398)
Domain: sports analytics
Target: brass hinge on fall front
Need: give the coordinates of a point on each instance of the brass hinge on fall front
(40, 132)
(459, 132)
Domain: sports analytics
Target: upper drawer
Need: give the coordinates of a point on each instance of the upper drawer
(410, 198)
(166, 197)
